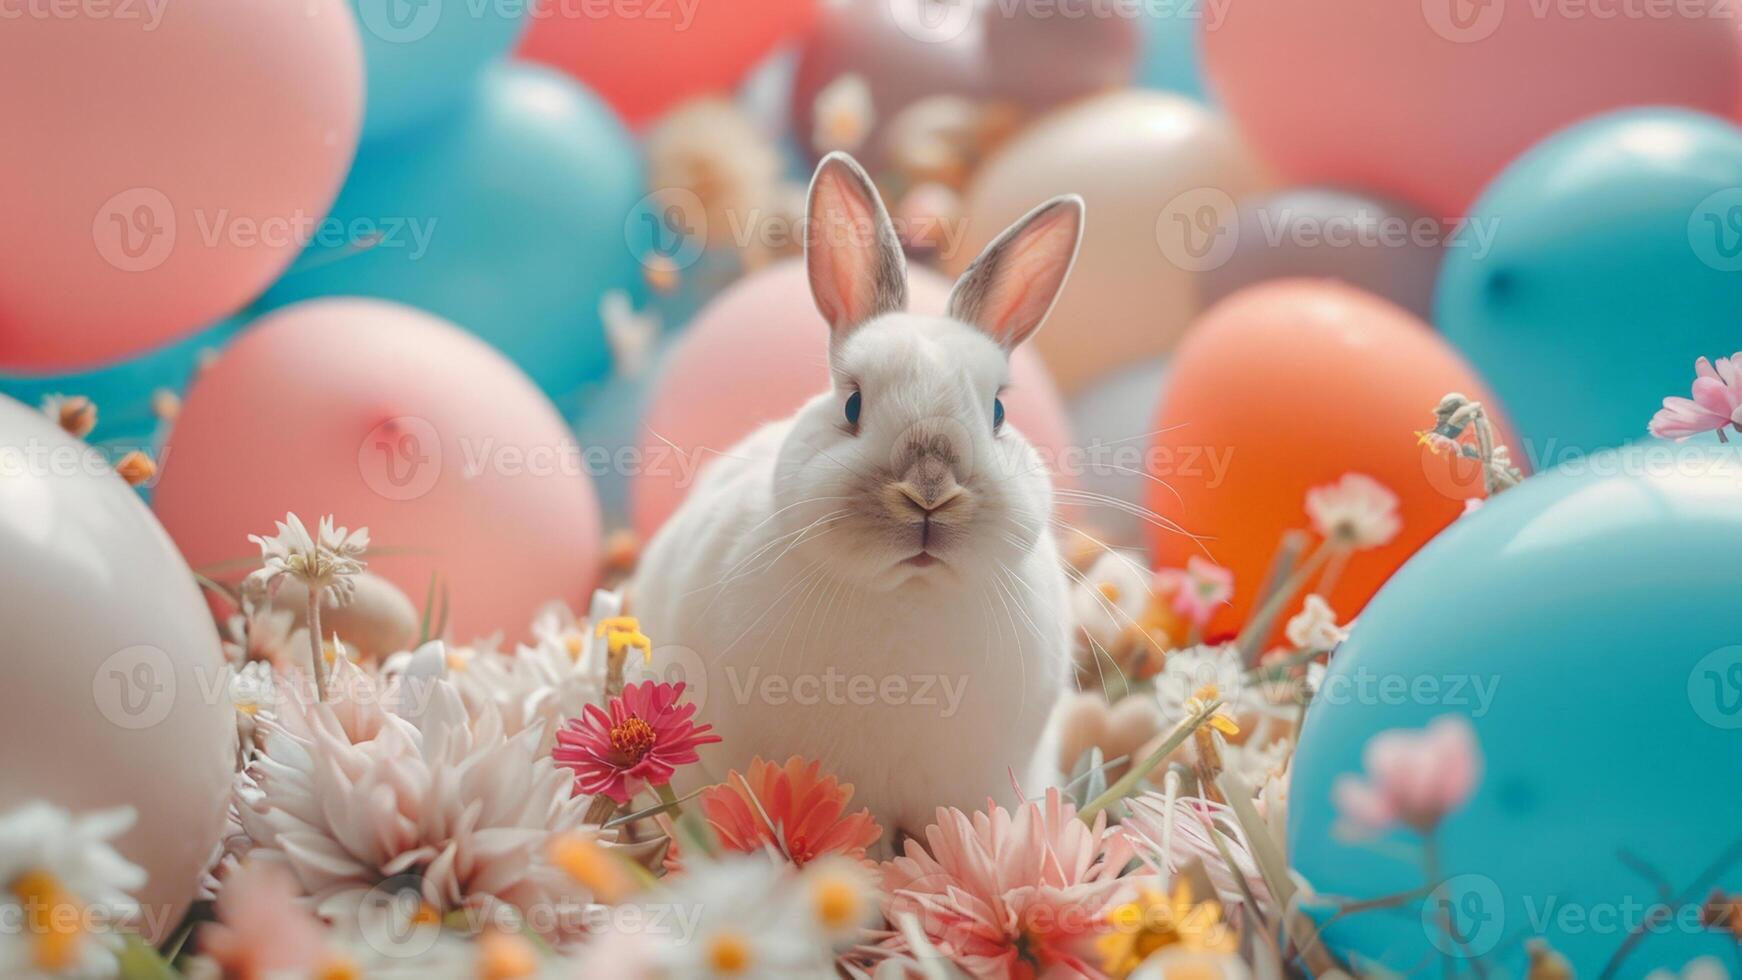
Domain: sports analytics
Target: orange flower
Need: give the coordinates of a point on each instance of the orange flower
(792, 807)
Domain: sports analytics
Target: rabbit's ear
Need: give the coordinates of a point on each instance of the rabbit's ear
(856, 268)
(1012, 286)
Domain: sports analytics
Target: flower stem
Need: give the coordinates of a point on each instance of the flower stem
(314, 641)
(1258, 624)
(1136, 773)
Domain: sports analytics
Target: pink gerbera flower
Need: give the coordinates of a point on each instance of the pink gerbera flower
(1006, 894)
(640, 743)
(1716, 405)
(1199, 590)
(794, 808)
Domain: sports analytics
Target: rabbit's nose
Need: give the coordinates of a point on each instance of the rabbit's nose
(930, 497)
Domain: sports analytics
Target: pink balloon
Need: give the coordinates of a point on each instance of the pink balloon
(163, 164)
(758, 352)
(390, 418)
(115, 690)
(1428, 101)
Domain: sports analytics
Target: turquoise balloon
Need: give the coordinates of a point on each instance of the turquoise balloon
(1615, 260)
(507, 219)
(1171, 58)
(420, 56)
(123, 391)
(1584, 623)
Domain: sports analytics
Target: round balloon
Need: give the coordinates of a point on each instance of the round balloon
(508, 219)
(1167, 173)
(1509, 620)
(1372, 94)
(116, 691)
(124, 392)
(421, 58)
(910, 50)
(1290, 385)
(1616, 247)
(169, 163)
(1171, 57)
(1386, 248)
(1110, 422)
(716, 386)
(645, 58)
(391, 419)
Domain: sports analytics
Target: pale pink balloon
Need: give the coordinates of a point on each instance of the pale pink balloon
(163, 164)
(1428, 100)
(758, 352)
(390, 418)
(115, 691)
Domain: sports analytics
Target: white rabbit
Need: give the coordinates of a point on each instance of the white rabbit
(874, 582)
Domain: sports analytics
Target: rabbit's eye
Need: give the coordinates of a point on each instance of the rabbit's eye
(997, 414)
(854, 401)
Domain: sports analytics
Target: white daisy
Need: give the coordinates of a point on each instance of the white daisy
(1110, 597)
(68, 888)
(325, 560)
(1356, 512)
(1315, 626)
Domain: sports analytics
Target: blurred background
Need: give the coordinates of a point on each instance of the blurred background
(493, 277)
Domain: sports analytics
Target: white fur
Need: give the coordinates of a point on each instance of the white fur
(785, 576)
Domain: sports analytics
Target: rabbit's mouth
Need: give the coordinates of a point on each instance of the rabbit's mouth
(924, 559)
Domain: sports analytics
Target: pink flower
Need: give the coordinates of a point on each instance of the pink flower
(793, 808)
(1199, 590)
(1357, 512)
(1717, 402)
(640, 743)
(262, 928)
(1011, 895)
(1414, 778)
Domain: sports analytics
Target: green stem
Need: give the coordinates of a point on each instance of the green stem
(1259, 623)
(1136, 774)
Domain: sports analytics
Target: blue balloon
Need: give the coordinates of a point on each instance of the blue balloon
(123, 391)
(507, 219)
(1582, 623)
(420, 56)
(1171, 58)
(1595, 269)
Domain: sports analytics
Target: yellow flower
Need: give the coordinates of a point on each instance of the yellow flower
(624, 632)
(1153, 921)
(1220, 720)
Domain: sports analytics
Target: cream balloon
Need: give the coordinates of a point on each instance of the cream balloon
(116, 692)
(379, 620)
(1159, 173)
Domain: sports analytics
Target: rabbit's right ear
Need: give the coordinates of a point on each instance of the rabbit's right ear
(854, 260)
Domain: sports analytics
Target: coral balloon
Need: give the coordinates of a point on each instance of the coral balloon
(1424, 101)
(417, 66)
(1649, 529)
(115, 688)
(1388, 249)
(645, 58)
(1614, 265)
(169, 161)
(905, 53)
(757, 353)
(1287, 386)
(507, 219)
(1167, 172)
(389, 418)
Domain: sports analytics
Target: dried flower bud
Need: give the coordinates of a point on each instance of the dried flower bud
(165, 404)
(1545, 963)
(76, 415)
(136, 468)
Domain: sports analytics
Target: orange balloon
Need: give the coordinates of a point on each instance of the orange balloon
(650, 56)
(1289, 385)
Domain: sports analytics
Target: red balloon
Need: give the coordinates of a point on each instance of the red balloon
(650, 55)
(392, 419)
(1428, 99)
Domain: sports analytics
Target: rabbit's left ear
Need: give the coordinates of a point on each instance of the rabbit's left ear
(1012, 286)
(851, 252)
